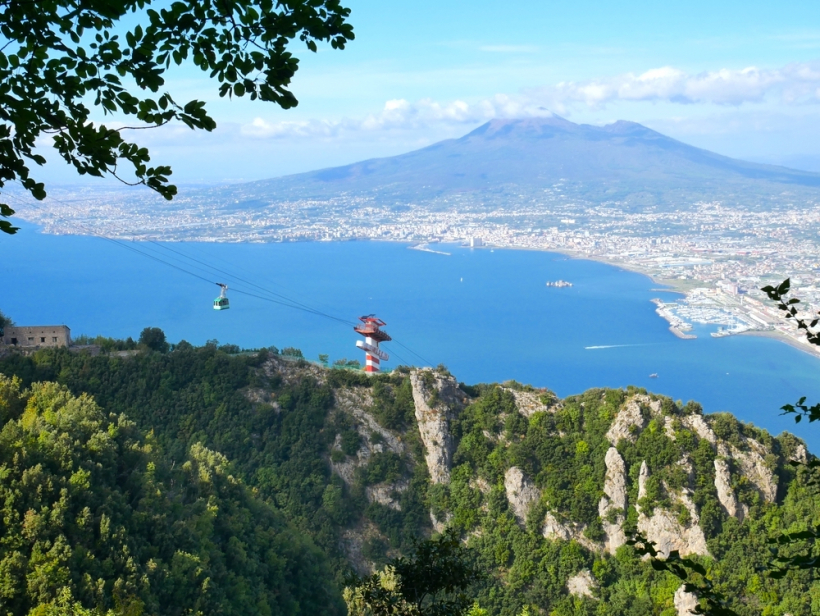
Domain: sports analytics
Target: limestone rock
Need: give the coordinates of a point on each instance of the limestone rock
(685, 602)
(629, 420)
(528, 403)
(582, 584)
(436, 398)
(385, 494)
(726, 495)
(440, 525)
(521, 493)
(615, 480)
(665, 530)
(355, 403)
(698, 425)
(553, 529)
(614, 500)
(668, 428)
(480, 484)
(643, 475)
(800, 455)
(752, 464)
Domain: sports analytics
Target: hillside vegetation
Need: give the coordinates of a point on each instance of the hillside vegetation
(196, 480)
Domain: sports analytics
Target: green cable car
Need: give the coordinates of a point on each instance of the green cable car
(222, 302)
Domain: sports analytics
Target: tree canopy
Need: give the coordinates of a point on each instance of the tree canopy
(62, 59)
(97, 520)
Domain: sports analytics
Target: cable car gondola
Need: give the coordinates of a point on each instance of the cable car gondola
(222, 302)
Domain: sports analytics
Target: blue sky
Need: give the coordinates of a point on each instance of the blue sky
(739, 78)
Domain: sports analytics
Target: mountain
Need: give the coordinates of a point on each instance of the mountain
(543, 490)
(624, 162)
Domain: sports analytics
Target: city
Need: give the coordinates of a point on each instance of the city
(718, 257)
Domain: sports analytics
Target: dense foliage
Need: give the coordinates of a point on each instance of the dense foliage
(338, 455)
(432, 580)
(94, 513)
(60, 59)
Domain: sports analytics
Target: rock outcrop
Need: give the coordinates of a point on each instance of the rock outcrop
(355, 403)
(554, 529)
(726, 495)
(386, 494)
(698, 425)
(752, 464)
(685, 602)
(436, 397)
(582, 584)
(612, 505)
(528, 403)
(630, 420)
(664, 529)
(521, 493)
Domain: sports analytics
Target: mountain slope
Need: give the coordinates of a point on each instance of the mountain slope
(544, 490)
(623, 162)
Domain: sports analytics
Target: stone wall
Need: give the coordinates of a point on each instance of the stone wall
(37, 336)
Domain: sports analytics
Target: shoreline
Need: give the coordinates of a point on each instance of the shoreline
(671, 286)
(780, 336)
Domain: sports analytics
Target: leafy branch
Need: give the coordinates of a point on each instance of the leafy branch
(693, 574)
(61, 59)
(781, 565)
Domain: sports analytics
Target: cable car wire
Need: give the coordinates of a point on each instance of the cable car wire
(284, 297)
(289, 303)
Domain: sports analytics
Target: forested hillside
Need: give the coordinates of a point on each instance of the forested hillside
(200, 480)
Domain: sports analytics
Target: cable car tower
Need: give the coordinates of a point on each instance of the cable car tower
(372, 337)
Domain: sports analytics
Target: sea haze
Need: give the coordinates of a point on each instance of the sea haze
(487, 315)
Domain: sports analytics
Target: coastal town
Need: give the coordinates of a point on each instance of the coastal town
(717, 257)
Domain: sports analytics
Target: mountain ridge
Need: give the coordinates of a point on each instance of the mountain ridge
(623, 161)
(544, 490)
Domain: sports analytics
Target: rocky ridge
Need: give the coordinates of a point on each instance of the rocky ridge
(438, 402)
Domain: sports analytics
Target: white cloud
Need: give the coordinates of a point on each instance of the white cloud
(509, 48)
(796, 83)
(793, 83)
(399, 114)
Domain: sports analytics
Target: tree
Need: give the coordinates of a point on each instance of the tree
(782, 564)
(430, 582)
(154, 339)
(4, 322)
(60, 59)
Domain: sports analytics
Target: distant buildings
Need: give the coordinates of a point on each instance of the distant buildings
(37, 336)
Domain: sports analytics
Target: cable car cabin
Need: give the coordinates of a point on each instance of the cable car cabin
(222, 302)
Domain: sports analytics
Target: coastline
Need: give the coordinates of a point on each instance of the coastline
(674, 287)
(679, 287)
(778, 335)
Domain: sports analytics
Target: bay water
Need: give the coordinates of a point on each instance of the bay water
(485, 314)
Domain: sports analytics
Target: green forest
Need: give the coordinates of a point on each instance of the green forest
(201, 480)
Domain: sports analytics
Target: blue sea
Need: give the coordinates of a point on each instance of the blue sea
(487, 315)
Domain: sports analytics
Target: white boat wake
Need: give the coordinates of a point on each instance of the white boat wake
(614, 346)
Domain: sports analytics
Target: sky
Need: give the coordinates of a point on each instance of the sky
(738, 78)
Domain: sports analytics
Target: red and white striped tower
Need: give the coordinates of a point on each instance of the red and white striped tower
(372, 337)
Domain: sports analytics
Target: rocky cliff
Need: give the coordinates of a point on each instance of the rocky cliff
(589, 471)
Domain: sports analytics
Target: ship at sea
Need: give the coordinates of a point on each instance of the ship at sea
(559, 283)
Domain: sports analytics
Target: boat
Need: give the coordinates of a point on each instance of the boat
(559, 283)
(654, 375)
